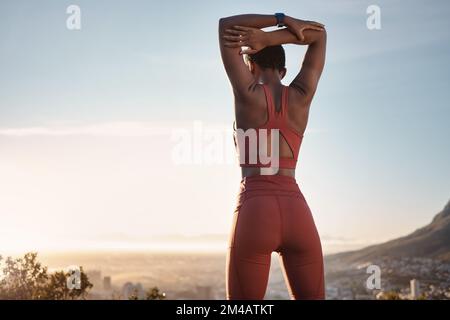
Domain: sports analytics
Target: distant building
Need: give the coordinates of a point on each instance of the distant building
(415, 288)
(95, 277)
(107, 283)
(132, 290)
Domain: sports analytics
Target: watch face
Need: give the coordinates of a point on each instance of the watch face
(280, 18)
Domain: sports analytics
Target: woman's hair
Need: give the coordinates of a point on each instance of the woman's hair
(269, 58)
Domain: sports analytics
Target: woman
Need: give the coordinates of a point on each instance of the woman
(271, 212)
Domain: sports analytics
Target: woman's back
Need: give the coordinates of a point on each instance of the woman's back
(274, 107)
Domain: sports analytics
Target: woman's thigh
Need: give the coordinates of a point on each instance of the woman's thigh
(301, 250)
(254, 236)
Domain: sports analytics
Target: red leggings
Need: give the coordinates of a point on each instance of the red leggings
(272, 215)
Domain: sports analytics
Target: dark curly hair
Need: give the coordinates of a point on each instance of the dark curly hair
(269, 58)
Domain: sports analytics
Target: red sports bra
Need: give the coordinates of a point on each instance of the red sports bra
(276, 120)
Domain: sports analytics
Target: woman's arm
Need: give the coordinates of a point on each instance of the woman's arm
(307, 79)
(256, 39)
(249, 20)
(238, 73)
(299, 32)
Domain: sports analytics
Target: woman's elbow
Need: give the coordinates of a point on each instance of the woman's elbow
(224, 22)
(324, 34)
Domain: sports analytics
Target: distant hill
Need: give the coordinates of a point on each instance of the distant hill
(431, 241)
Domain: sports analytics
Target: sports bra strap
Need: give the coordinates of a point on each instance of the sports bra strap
(272, 112)
(269, 101)
(284, 102)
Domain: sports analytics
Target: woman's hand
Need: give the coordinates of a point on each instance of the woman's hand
(253, 38)
(297, 26)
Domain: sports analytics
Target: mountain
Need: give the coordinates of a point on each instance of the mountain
(431, 241)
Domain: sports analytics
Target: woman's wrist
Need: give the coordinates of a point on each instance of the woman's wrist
(268, 39)
(288, 20)
(272, 38)
(280, 37)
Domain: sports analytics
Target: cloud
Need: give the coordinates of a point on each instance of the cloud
(121, 129)
(114, 129)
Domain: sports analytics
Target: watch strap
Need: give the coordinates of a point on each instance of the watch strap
(280, 19)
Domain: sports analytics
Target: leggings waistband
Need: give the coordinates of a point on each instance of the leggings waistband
(269, 182)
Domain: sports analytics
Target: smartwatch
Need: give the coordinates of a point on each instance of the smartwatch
(280, 19)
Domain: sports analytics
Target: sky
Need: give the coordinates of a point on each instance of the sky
(96, 124)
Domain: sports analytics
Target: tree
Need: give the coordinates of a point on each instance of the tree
(151, 294)
(389, 295)
(57, 288)
(26, 279)
(155, 294)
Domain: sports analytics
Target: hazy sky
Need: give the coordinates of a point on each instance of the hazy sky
(89, 121)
